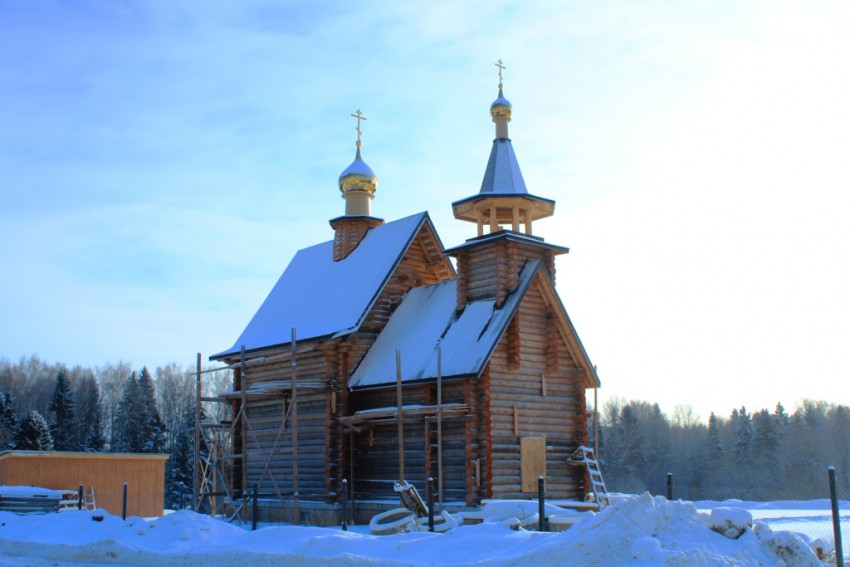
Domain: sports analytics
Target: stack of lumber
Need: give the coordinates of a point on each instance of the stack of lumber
(29, 500)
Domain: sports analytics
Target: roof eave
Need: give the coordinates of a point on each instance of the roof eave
(510, 235)
(593, 380)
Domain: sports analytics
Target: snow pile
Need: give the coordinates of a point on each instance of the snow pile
(788, 546)
(640, 531)
(730, 522)
(516, 513)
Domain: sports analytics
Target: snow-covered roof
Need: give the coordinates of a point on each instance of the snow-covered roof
(319, 297)
(427, 318)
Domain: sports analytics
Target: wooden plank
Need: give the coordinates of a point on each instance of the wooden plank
(532, 461)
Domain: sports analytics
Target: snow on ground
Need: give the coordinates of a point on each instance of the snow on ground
(639, 531)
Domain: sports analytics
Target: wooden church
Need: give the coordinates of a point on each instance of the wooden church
(404, 365)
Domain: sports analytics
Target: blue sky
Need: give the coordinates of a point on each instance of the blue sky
(161, 162)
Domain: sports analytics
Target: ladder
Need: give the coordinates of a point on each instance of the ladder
(584, 456)
(88, 499)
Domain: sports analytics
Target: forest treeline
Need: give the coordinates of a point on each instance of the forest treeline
(760, 455)
(750, 455)
(113, 408)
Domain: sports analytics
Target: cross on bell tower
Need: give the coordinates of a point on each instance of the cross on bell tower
(359, 116)
(501, 68)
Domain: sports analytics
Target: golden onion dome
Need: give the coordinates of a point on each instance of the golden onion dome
(501, 106)
(358, 176)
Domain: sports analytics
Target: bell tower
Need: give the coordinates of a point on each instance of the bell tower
(503, 210)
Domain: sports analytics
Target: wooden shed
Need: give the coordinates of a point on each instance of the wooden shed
(406, 367)
(106, 473)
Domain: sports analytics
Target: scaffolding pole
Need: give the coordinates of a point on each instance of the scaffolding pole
(244, 428)
(440, 426)
(294, 410)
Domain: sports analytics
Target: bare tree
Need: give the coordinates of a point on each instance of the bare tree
(111, 378)
(175, 389)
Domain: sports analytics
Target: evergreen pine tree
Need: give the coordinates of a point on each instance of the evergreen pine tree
(138, 427)
(840, 442)
(62, 407)
(88, 419)
(765, 440)
(715, 445)
(94, 441)
(8, 422)
(126, 429)
(743, 436)
(655, 434)
(781, 418)
(34, 434)
(716, 471)
(153, 430)
(179, 467)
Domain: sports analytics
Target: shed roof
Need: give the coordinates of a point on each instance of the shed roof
(427, 318)
(81, 455)
(320, 297)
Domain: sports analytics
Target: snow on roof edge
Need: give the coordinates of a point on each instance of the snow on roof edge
(375, 370)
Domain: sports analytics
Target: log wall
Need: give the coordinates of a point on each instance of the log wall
(527, 400)
(491, 269)
(267, 440)
(269, 448)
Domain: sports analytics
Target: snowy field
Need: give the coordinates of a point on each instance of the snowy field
(635, 531)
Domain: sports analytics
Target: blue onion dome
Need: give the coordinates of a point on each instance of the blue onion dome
(501, 106)
(358, 177)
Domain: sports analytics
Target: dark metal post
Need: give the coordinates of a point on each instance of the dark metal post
(541, 513)
(124, 503)
(80, 498)
(344, 505)
(255, 507)
(430, 491)
(196, 456)
(669, 486)
(836, 524)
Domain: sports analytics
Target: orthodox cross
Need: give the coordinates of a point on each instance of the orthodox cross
(501, 68)
(359, 116)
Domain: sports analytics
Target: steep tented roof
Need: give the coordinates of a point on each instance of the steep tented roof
(320, 297)
(502, 176)
(427, 318)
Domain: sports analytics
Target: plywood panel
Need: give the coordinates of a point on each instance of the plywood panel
(532, 452)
